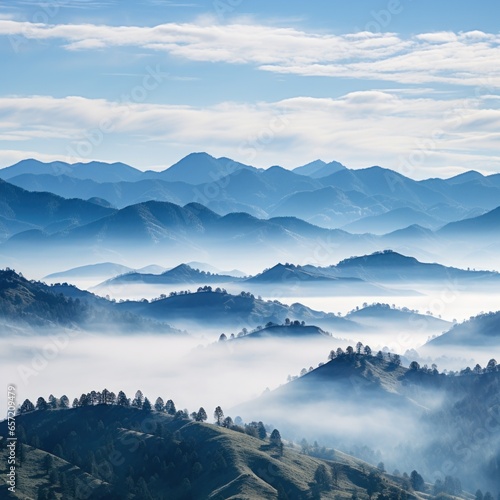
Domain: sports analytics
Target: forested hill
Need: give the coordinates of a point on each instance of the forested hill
(110, 451)
(33, 304)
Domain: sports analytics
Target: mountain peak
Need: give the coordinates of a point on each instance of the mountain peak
(382, 258)
(199, 168)
(468, 176)
(318, 168)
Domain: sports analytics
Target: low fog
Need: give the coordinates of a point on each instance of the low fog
(193, 372)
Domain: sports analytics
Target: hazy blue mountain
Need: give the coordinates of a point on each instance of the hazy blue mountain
(393, 220)
(410, 233)
(91, 270)
(382, 181)
(182, 274)
(470, 175)
(8, 227)
(471, 189)
(97, 171)
(321, 197)
(286, 273)
(43, 209)
(152, 269)
(35, 167)
(390, 266)
(318, 168)
(198, 168)
(377, 315)
(188, 231)
(260, 188)
(329, 206)
(494, 180)
(287, 332)
(480, 331)
(220, 184)
(202, 266)
(224, 310)
(486, 225)
(146, 222)
(119, 194)
(32, 304)
(294, 277)
(101, 202)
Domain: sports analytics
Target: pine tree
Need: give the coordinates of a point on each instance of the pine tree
(122, 399)
(27, 406)
(159, 404)
(138, 400)
(170, 407)
(261, 431)
(417, 482)
(106, 397)
(275, 441)
(41, 404)
(218, 415)
(201, 416)
(146, 406)
(64, 402)
(322, 478)
(227, 423)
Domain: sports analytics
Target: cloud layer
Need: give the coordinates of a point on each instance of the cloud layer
(468, 58)
(412, 133)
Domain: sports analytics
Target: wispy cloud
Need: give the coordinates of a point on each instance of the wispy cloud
(359, 128)
(468, 58)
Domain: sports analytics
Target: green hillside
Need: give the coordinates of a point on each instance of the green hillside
(110, 451)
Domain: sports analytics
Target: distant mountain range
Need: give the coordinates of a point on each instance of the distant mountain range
(257, 212)
(150, 226)
(21, 209)
(31, 304)
(369, 275)
(327, 194)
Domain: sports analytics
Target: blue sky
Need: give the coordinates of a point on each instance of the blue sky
(406, 84)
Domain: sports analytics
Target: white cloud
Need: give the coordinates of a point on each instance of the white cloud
(458, 58)
(415, 134)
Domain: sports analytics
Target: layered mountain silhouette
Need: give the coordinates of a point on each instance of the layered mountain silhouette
(97, 171)
(390, 266)
(225, 310)
(20, 209)
(181, 274)
(153, 225)
(485, 225)
(398, 218)
(327, 194)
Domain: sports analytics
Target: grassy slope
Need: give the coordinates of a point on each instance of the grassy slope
(248, 469)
